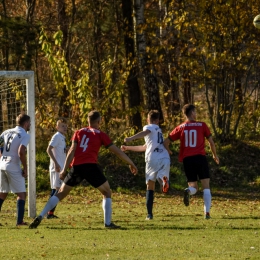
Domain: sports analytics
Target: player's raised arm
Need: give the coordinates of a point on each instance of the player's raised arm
(114, 149)
(137, 148)
(137, 136)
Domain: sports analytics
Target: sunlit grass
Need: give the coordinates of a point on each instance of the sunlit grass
(177, 232)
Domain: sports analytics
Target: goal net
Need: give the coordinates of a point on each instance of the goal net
(17, 96)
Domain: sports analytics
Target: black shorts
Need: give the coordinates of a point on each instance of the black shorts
(196, 167)
(89, 172)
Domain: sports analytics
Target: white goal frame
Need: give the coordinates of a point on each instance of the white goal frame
(31, 158)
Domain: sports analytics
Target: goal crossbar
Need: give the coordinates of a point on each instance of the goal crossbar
(31, 157)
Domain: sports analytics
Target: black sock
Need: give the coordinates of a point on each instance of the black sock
(53, 192)
(1, 203)
(20, 211)
(149, 201)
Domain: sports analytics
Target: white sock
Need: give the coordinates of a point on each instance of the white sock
(107, 208)
(207, 200)
(52, 202)
(192, 190)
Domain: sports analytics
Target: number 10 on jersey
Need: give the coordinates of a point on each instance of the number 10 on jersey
(190, 138)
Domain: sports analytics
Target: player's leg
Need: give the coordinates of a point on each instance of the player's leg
(151, 171)
(52, 202)
(20, 205)
(17, 185)
(205, 180)
(3, 196)
(97, 179)
(4, 187)
(50, 213)
(55, 185)
(150, 198)
(106, 202)
(72, 179)
(206, 197)
(191, 171)
(163, 175)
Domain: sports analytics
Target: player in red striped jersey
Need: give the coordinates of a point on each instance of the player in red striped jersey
(192, 134)
(82, 157)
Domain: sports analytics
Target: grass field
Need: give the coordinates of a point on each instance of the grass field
(177, 232)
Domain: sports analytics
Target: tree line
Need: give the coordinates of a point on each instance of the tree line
(126, 57)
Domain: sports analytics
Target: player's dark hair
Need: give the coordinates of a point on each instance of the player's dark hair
(21, 119)
(187, 109)
(93, 116)
(153, 115)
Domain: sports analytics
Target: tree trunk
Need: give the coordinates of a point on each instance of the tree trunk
(63, 22)
(5, 48)
(146, 65)
(133, 89)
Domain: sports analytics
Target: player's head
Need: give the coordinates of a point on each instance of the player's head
(94, 118)
(189, 111)
(153, 117)
(61, 126)
(24, 121)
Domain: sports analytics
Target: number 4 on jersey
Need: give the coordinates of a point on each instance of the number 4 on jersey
(84, 143)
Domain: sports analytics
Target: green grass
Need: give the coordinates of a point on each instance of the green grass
(177, 232)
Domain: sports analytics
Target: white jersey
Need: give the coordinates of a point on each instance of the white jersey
(59, 150)
(154, 143)
(12, 139)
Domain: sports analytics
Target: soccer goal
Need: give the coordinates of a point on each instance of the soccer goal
(16, 96)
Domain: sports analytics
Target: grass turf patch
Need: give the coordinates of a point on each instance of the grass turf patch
(176, 232)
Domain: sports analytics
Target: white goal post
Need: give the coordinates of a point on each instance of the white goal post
(12, 79)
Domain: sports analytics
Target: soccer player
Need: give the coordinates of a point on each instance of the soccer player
(57, 152)
(156, 157)
(12, 177)
(192, 153)
(82, 156)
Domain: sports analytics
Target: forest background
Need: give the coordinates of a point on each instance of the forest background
(126, 57)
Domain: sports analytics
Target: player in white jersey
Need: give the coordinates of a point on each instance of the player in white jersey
(12, 177)
(57, 152)
(156, 157)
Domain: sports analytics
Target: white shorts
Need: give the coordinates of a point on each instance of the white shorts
(157, 169)
(55, 180)
(12, 181)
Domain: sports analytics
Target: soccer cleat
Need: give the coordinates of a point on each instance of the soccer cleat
(165, 186)
(112, 226)
(207, 215)
(186, 198)
(36, 222)
(50, 216)
(22, 224)
(149, 217)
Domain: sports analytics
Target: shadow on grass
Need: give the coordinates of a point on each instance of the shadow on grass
(242, 217)
(147, 227)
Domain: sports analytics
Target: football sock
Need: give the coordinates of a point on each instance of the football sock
(20, 210)
(53, 192)
(207, 200)
(149, 201)
(192, 190)
(107, 208)
(1, 203)
(52, 202)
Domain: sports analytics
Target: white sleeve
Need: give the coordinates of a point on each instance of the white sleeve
(25, 140)
(54, 141)
(148, 127)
